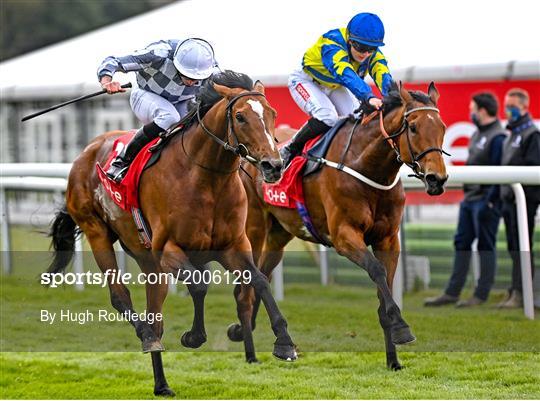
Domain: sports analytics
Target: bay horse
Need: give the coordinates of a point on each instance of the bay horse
(351, 214)
(193, 201)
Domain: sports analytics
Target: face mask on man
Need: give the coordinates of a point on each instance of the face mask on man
(512, 113)
(475, 119)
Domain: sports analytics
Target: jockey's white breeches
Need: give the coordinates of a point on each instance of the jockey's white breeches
(149, 107)
(320, 102)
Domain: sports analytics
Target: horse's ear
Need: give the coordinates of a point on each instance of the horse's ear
(223, 90)
(404, 93)
(433, 93)
(259, 87)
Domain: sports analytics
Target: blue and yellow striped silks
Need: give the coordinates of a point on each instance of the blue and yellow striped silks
(328, 61)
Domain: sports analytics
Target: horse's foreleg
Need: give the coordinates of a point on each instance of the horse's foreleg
(267, 260)
(387, 252)
(173, 259)
(245, 298)
(350, 243)
(97, 235)
(155, 296)
(197, 335)
(240, 257)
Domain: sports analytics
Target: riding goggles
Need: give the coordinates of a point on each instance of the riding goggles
(362, 48)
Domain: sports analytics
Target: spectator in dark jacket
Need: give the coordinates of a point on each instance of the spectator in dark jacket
(522, 148)
(479, 212)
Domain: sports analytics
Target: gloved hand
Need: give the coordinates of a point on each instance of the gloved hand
(375, 102)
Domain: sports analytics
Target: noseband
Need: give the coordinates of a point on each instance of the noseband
(237, 148)
(391, 138)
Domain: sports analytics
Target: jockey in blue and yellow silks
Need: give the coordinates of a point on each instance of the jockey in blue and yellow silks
(330, 83)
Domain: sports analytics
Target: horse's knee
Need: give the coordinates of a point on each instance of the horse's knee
(384, 319)
(120, 301)
(258, 281)
(246, 299)
(198, 290)
(376, 271)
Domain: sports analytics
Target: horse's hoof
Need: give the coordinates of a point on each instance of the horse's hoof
(152, 345)
(234, 332)
(192, 340)
(395, 366)
(402, 335)
(164, 392)
(285, 352)
(252, 359)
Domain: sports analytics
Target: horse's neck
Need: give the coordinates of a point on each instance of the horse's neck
(376, 158)
(204, 150)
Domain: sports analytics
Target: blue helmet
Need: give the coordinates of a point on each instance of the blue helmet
(366, 28)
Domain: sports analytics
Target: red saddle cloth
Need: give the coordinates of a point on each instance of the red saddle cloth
(289, 190)
(126, 193)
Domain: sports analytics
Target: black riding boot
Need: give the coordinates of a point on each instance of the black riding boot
(309, 130)
(143, 136)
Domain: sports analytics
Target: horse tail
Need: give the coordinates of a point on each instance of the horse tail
(63, 232)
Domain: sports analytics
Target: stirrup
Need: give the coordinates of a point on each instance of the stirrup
(287, 156)
(117, 173)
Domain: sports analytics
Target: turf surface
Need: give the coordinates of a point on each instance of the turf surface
(479, 353)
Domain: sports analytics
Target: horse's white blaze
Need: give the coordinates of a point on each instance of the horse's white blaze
(430, 116)
(258, 109)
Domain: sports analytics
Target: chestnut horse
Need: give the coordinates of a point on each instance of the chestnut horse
(352, 213)
(194, 203)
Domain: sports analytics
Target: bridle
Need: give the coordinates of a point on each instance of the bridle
(237, 148)
(391, 138)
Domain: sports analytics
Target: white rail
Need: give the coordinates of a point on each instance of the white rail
(29, 179)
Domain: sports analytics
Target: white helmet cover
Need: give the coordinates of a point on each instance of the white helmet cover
(194, 58)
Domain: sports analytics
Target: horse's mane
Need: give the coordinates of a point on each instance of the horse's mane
(393, 100)
(208, 97)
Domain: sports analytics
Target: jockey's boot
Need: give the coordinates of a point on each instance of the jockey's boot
(142, 137)
(309, 130)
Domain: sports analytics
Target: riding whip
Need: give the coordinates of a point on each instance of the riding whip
(101, 92)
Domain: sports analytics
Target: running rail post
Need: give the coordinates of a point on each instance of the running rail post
(524, 251)
(6, 240)
(397, 287)
(323, 262)
(277, 280)
(120, 257)
(78, 262)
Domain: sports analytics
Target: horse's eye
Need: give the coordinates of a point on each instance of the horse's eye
(240, 118)
(413, 128)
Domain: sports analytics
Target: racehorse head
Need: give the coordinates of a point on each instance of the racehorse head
(419, 139)
(251, 123)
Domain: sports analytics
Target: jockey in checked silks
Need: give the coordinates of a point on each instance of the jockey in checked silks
(330, 83)
(169, 75)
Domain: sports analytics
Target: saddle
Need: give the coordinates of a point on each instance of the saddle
(288, 190)
(320, 148)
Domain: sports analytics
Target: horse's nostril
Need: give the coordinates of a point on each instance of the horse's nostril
(271, 165)
(431, 178)
(266, 165)
(434, 179)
